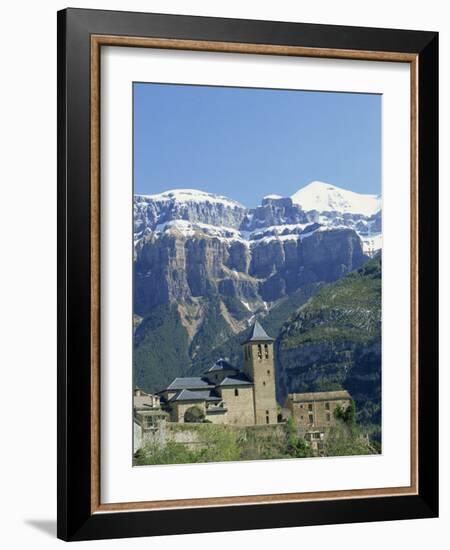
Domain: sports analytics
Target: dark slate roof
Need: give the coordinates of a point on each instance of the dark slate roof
(221, 365)
(209, 395)
(189, 382)
(258, 334)
(188, 395)
(237, 380)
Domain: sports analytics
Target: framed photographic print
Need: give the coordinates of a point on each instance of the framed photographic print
(247, 274)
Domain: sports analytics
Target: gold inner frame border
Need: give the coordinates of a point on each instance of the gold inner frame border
(97, 41)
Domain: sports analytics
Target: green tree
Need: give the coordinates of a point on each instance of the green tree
(194, 414)
(296, 447)
(350, 414)
(347, 415)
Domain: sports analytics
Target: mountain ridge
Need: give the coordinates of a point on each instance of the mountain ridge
(312, 196)
(282, 218)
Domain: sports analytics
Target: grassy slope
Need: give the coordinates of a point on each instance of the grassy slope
(334, 341)
(349, 309)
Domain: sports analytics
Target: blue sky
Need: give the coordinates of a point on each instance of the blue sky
(246, 143)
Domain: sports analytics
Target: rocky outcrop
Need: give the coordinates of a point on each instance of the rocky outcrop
(274, 211)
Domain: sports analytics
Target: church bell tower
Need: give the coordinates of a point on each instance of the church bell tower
(259, 367)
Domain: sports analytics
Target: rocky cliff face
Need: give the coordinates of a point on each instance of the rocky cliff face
(185, 204)
(175, 266)
(274, 210)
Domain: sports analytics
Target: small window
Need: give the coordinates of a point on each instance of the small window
(328, 417)
(236, 392)
(259, 352)
(311, 419)
(267, 419)
(327, 406)
(310, 407)
(266, 351)
(268, 372)
(267, 412)
(301, 406)
(264, 382)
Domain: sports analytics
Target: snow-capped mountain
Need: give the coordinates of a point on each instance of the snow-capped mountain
(185, 204)
(324, 197)
(192, 196)
(316, 207)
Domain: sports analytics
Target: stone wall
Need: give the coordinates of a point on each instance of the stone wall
(218, 417)
(196, 435)
(137, 436)
(240, 409)
(142, 435)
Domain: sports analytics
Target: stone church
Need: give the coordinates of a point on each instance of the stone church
(226, 395)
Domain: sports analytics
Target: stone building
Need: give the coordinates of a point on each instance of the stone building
(226, 395)
(259, 367)
(148, 417)
(315, 410)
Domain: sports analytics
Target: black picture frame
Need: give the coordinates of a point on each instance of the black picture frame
(75, 518)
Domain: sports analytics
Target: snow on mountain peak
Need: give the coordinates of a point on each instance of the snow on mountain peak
(324, 197)
(192, 196)
(272, 196)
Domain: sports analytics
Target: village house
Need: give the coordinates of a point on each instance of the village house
(148, 417)
(314, 413)
(226, 395)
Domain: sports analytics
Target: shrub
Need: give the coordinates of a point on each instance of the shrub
(348, 415)
(172, 453)
(341, 441)
(296, 447)
(220, 445)
(194, 414)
